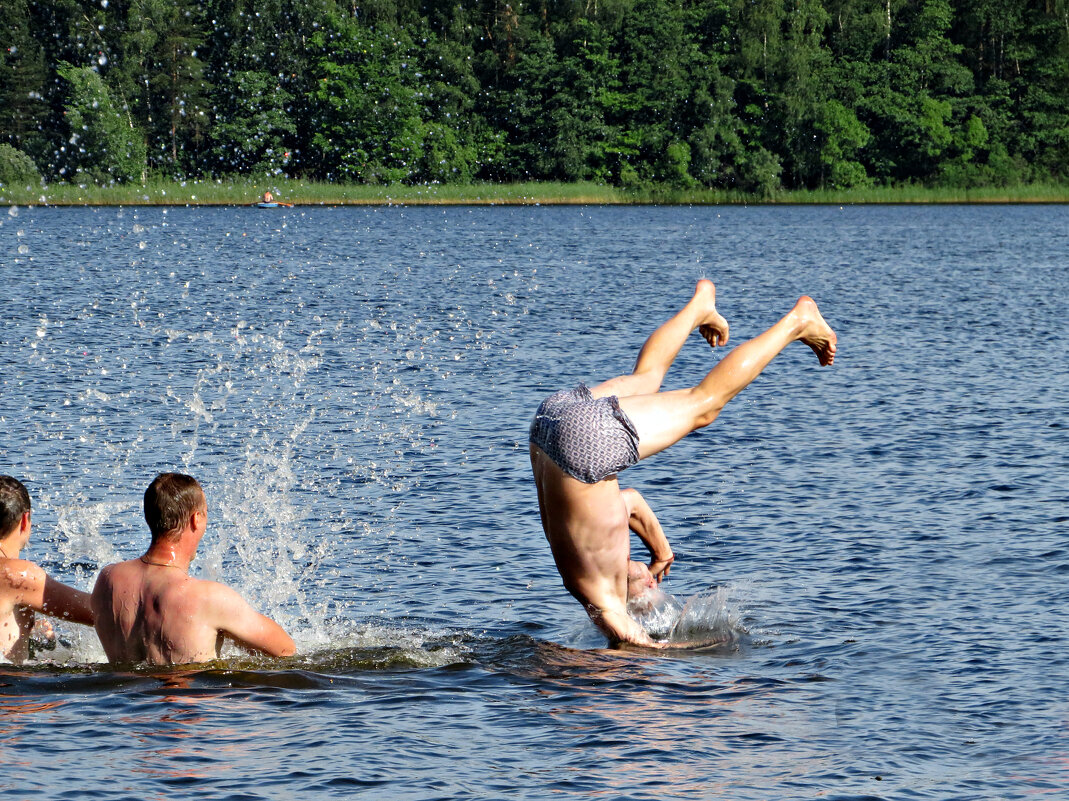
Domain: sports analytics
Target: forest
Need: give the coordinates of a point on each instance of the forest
(748, 95)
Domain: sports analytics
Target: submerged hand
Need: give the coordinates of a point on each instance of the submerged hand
(43, 630)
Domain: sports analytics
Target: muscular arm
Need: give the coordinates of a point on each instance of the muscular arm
(644, 523)
(245, 626)
(34, 588)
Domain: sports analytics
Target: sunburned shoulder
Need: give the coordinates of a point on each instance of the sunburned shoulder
(213, 603)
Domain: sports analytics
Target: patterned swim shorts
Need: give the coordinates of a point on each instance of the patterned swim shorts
(587, 438)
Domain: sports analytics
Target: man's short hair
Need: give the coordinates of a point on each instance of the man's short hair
(14, 503)
(169, 501)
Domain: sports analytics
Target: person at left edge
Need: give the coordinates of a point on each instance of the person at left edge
(24, 587)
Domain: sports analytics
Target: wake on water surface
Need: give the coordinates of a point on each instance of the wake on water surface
(74, 661)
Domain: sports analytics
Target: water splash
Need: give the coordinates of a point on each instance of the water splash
(260, 545)
(705, 617)
(82, 543)
(375, 646)
(656, 611)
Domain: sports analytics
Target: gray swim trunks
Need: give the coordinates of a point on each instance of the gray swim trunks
(587, 438)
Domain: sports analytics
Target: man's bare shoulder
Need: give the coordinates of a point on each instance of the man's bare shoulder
(213, 595)
(115, 573)
(119, 567)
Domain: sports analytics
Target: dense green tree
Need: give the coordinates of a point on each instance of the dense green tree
(1041, 90)
(804, 96)
(146, 51)
(458, 141)
(841, 135)
(553, 106)
(656, 60)
(252, 127)
(178, 106)
(366, 113)
(720, 93)
(16, 167)
(716, 142)
(102, 146)
(23, 76)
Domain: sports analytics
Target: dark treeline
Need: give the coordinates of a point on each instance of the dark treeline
(751, 95)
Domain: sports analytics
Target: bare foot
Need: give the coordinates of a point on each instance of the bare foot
(711, 325)
(816, 333)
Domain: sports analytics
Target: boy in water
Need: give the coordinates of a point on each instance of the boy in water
(151, 610)
(24, 587)
(580, 439)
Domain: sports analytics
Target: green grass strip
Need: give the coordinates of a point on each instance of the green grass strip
(240, 192)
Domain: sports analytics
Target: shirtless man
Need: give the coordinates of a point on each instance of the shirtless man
(151, 610)
(581, 438)
(24, 587)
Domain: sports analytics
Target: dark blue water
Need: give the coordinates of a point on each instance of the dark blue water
(886, 538)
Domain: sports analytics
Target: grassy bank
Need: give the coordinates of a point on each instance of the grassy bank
(243, 192)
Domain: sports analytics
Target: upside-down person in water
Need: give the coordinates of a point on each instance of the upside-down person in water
(24, 587)
(582, 438)
(151, 610)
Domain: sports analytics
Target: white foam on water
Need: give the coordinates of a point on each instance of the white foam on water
(415, 647)
(707, 615)
(656, 611)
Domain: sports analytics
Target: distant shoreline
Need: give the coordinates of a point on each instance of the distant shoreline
(307, 193)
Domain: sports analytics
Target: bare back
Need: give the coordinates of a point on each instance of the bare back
(155, 614)
(587, 529)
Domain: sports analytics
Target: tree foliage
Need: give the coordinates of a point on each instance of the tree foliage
(16, 167)
(103, 144)
(712, 93)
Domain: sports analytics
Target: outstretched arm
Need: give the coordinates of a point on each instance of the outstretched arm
(67, 602)
(644, 523)
(245, 626)
(37, 590)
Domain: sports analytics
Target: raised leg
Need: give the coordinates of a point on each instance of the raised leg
(664, 344)
(666, 417)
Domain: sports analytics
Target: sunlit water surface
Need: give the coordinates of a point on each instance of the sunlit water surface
(884, 541)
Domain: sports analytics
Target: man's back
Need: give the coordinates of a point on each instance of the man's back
(587, 526)
(155, 614)
(150, 610)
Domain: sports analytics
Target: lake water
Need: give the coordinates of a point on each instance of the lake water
(886, 539)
